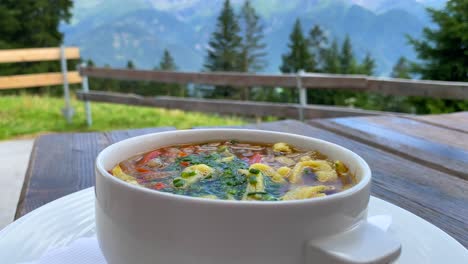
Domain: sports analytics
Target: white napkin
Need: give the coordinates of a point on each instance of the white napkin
(81, 251)
(87, 251)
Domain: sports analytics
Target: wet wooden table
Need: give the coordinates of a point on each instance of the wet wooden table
(418, 163)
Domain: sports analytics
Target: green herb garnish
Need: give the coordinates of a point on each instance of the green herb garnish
(188, 174)
(178, 182)
(255, 193)
(230, 183)
(254, 171)
(253, 180)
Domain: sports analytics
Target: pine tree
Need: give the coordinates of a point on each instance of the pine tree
(130, 65)
(26, 24)
(332, 59)
(330, 63)
(225, 47)
(90, 63)
(298, 57)
(129, 86)
(318, 43)
(110, 85)
(367, 66)
(444, 48)
(167, 63)
(94, 83)
(225, 42)
(401, 69)
(253, 48)
(343, 61)
(347, 59)
(443, 53)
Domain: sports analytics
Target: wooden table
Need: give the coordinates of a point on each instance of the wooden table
(418, 163)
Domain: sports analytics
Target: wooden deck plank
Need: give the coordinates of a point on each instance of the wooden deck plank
(34, 191)
(417, 146)
(455, 121)
(61, 164)
(432, 133)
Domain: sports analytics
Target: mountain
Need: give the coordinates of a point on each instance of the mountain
(112, 32)
(140, 36)
(380, 6)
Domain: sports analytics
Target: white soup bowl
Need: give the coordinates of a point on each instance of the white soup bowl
(139, 225)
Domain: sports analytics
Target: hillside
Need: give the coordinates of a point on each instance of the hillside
(112, 32)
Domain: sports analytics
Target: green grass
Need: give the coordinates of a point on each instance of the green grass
(28, 115)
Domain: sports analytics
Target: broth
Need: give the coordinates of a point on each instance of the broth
(237, 171)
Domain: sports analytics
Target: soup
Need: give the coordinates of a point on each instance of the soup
(233, 170)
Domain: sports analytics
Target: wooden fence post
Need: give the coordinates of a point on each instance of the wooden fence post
(87, 104)
(67, 111)
(302, 94)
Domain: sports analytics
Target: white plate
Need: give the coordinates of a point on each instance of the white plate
(58, 223)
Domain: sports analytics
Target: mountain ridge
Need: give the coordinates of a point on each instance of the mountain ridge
(118, 36)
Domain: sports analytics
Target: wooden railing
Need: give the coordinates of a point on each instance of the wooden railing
(229, 107)
(434, 89)
(301, 81)
(37, 80)
(42, 79)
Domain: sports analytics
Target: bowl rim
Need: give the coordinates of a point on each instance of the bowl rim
(360, 186)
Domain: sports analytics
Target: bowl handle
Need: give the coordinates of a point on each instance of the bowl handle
(366, 243)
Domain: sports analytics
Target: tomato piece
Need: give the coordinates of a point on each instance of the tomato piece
(184, 163)
(149, 156)
(142, 170)
(255, 158)
(159, 186)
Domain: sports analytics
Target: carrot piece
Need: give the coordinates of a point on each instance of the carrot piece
(149, 156)
(159, 186)
(183, 154)
(142, 170)
(256, 158)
